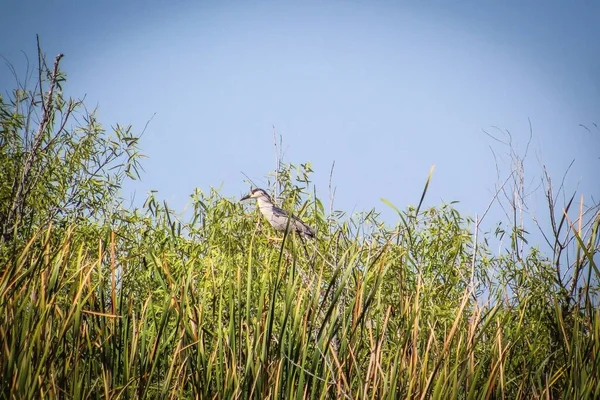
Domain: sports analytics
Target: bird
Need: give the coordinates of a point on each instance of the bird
(277, 217)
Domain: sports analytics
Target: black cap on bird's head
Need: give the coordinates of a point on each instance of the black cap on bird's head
(255, 193)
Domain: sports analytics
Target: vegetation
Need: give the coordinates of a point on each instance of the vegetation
(97, 300)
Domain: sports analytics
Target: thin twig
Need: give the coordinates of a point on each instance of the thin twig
(21, 187)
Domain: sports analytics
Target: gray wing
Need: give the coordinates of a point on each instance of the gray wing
(297, 224)
(303, 229)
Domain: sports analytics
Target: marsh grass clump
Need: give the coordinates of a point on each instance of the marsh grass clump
(97, 300)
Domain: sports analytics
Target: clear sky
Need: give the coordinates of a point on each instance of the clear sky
(384, 89)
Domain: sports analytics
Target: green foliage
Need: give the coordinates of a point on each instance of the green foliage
(100, 301)
(58, 163)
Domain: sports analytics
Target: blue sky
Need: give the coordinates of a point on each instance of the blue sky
(384, 89)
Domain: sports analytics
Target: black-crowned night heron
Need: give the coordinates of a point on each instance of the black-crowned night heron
(278, 218)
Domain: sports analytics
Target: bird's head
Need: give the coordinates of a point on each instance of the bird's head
(257, 194)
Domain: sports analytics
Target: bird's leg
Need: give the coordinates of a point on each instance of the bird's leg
(304, 246)
(274, 239)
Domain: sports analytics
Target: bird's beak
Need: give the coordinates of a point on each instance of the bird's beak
(246, 197)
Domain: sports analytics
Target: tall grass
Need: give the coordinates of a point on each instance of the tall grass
(226, 313)
(99, 301)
